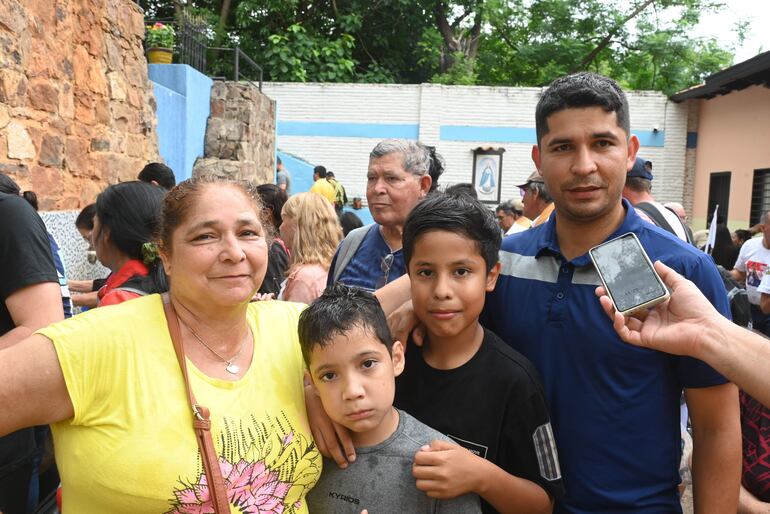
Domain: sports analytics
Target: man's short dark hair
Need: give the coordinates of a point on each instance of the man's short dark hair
(160, 173)
(320, 171)
(278, 160)
(580, 90)
(463, 188)
(338, 311)
(639, 184)
(457, 214)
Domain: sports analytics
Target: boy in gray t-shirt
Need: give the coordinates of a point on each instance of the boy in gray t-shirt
(353, 363)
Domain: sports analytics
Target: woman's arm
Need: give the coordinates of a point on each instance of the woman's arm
(32, 389)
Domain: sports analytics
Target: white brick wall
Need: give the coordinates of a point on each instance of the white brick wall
(433, 106)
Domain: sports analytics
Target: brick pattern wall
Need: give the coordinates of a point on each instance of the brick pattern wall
(433, 106)
(76, 109)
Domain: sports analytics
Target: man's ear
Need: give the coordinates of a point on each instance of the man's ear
(536, 156)
(425, 183)
(492, 277)
(633, 149)
(399, 359)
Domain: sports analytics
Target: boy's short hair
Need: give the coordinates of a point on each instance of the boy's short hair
(337, 311)
(580, 90)
(459, 214)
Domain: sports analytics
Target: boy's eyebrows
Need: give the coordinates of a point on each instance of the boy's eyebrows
(325, 366)
(458, 262)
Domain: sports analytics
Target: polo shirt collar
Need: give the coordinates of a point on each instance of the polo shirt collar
(547, 242)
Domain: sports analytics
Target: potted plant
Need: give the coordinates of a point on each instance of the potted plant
(159, 42)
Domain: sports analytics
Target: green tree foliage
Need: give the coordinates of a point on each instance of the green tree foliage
(645, 44)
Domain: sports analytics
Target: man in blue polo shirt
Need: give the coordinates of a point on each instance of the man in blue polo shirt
(614, 407)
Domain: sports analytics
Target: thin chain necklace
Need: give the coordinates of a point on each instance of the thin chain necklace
(230, 365)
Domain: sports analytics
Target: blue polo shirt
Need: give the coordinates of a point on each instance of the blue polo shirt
(365, 268)
(614, 406)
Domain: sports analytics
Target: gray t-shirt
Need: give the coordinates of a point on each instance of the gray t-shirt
(380, 480)
(283, 177)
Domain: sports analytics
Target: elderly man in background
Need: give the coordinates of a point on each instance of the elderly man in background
(397, 178)
(538, 203)
(509, 217)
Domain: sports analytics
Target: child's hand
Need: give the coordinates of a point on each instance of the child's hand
(445, 470)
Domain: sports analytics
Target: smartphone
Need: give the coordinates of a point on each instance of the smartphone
(627, 274)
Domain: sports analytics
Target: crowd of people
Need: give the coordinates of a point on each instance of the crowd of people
(258, 350)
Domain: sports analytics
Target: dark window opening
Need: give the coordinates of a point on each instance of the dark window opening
(719, 194)
(760, 196)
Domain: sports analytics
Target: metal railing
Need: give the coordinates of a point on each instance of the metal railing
(240, 58)
(191, 48)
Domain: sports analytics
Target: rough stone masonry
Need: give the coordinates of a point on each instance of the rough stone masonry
(76, 107)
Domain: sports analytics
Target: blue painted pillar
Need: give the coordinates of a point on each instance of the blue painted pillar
(183, 97)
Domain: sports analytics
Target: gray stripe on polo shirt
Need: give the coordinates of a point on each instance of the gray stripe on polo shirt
(586, 276)
(545, 449)
(544, 269)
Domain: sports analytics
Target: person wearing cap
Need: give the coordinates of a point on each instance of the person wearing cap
(537, 202)
(638, 191)
(507, 217)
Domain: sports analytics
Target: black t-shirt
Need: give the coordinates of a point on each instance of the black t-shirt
(25, 260)
(277, 264)
(493, 405)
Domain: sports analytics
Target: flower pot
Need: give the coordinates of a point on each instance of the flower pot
(160, 55)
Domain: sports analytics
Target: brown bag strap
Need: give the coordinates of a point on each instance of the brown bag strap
(201, 420)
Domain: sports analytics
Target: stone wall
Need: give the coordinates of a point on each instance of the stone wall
(76, 109)
(240, 134)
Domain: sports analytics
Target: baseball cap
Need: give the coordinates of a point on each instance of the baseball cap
(535, 176)
(640, 169)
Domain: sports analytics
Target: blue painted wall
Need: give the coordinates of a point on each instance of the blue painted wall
(301, 173)
(183, 96)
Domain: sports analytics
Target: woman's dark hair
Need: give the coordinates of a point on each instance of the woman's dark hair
(85, 219)
(725, 252)
(273, 198)
(9, 186)
(131, 211)
(349, 221)
(460, 215)
(436, 167)
(742, 235)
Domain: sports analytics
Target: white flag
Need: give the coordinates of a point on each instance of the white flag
(712, 232)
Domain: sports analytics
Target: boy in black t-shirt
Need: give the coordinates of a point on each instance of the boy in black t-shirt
(464, 381)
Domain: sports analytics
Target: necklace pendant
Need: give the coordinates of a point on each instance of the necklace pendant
(232, 368)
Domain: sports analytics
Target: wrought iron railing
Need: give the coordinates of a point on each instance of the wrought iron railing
(191, 48)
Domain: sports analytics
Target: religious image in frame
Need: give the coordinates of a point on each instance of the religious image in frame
(487, 172)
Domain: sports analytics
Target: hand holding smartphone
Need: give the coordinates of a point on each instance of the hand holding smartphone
(627, 274)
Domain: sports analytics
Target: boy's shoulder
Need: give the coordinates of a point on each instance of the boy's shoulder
(503, 363)
(416, 434)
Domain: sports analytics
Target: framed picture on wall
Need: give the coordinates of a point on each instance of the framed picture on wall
(487, 173)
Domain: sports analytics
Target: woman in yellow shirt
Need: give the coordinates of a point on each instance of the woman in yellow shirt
(109, 382)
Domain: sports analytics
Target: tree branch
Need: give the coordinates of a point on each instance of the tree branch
(608, 38)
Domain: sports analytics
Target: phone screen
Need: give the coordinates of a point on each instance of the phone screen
(628, 275)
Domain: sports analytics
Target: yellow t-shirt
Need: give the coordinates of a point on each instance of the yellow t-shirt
(325, 189)
(130, 447)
